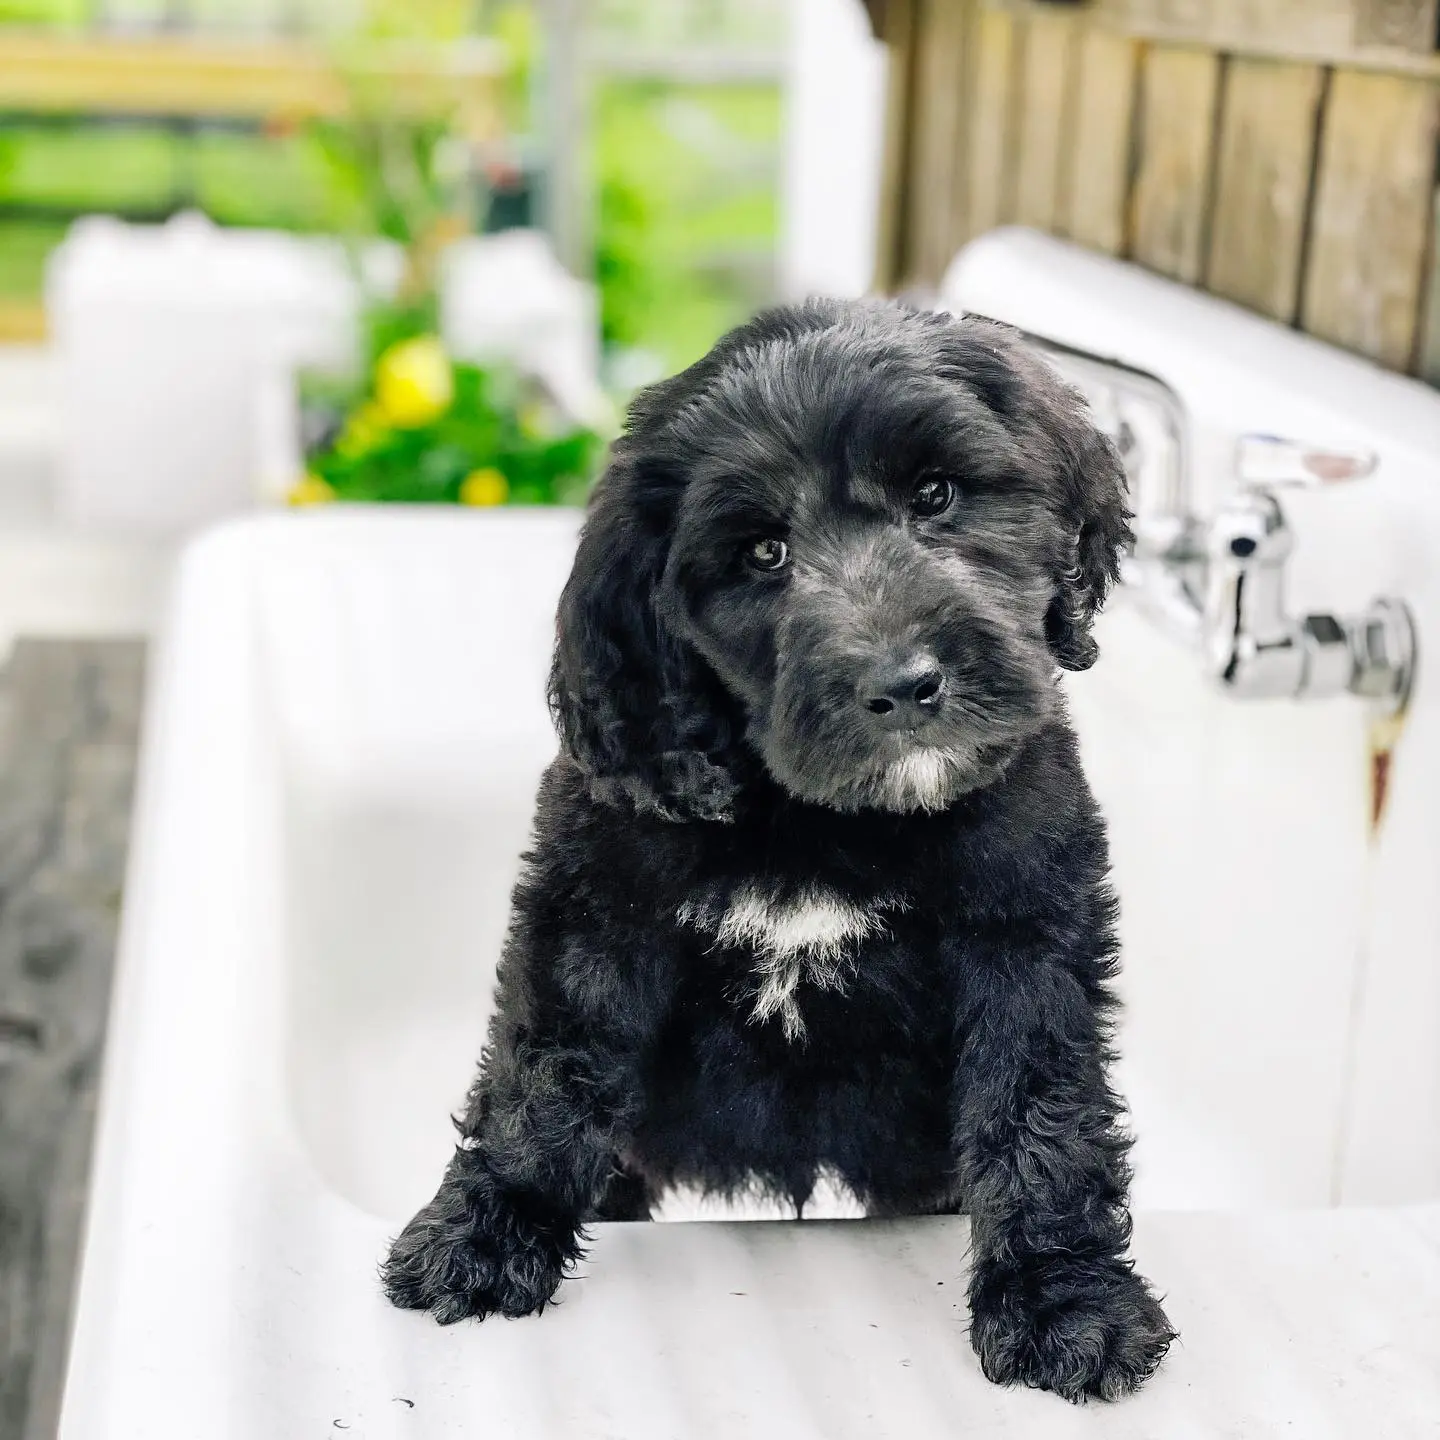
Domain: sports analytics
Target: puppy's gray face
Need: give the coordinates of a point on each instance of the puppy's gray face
(865, 554)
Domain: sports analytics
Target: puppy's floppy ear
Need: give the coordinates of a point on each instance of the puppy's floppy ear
(1094, 494)
(635, 707)
(1090, 488)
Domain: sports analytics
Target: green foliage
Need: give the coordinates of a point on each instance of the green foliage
(281, 181)
(421, 427)
(496, 421)
(123, 165)
(61, 14)
(687, 215)
(387, 323)
(24, 247)
(513, 24)
(276, 181)
(389, 172)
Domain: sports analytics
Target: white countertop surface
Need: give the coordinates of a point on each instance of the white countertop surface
(1306, 1324)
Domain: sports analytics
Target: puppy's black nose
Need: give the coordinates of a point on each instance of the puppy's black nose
(902, 692)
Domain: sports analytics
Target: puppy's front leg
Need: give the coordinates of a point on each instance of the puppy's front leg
(1054, 1302)
(538, 1138)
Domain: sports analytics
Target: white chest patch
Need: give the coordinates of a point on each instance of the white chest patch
(806, 937)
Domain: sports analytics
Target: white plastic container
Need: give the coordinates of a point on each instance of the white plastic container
(507, 297)
(177, 346)
(164, 336)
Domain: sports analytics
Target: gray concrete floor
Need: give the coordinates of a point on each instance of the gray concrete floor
(69, 727)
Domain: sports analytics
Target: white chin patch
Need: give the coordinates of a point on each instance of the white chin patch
(920, 780)
(807, 937)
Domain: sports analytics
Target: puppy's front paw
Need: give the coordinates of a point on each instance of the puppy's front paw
(1082, 1329)
(466, 1256)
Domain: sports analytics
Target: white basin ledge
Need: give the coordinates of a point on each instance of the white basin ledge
(347, 723)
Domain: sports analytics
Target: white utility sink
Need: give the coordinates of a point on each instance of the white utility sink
(346, 728)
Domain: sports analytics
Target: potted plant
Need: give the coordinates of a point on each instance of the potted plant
(416, 424)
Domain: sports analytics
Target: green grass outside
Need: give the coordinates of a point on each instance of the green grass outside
(24, 246)
(686, 181)
(687, 212)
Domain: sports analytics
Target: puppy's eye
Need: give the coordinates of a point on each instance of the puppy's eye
(933, 496)
(766, 553)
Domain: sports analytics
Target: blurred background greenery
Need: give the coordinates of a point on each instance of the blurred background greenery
(686, 216)
(679, 115)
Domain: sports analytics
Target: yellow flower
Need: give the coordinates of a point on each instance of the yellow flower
(484, 487)
(311, 490)
(413, 382)
(364, 428)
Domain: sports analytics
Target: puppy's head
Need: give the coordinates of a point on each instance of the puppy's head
(850, 545)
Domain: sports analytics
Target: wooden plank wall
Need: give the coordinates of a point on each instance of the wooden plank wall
(1372, 215)
(1170, 201)
(1263, 173)
(1281, 154)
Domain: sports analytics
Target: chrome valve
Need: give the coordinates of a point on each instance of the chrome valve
(1219, 585)
(1255, 648)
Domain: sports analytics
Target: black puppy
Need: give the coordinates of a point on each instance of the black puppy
(817, 882)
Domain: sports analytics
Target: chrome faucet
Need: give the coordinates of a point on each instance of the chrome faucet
(1255, 647)
(1219, 585)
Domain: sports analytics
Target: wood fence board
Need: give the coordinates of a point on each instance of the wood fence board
(1179, 89)
(1406, 24)
(961, 225)
(899, 21)
(1326, 23)
(164, 75)
(1280, 153)
(1045, 116)
(991, 191)
(937, 169)
(1266, 156)
(1098, 193)
(1370, 224)
(1429, 367)
(1304, 28)
(1326, 33)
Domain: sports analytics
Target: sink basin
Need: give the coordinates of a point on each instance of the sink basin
(346, 728)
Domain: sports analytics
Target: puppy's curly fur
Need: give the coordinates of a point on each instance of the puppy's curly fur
(783, 917)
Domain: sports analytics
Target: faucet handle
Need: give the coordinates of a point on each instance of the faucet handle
(1263, 462)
